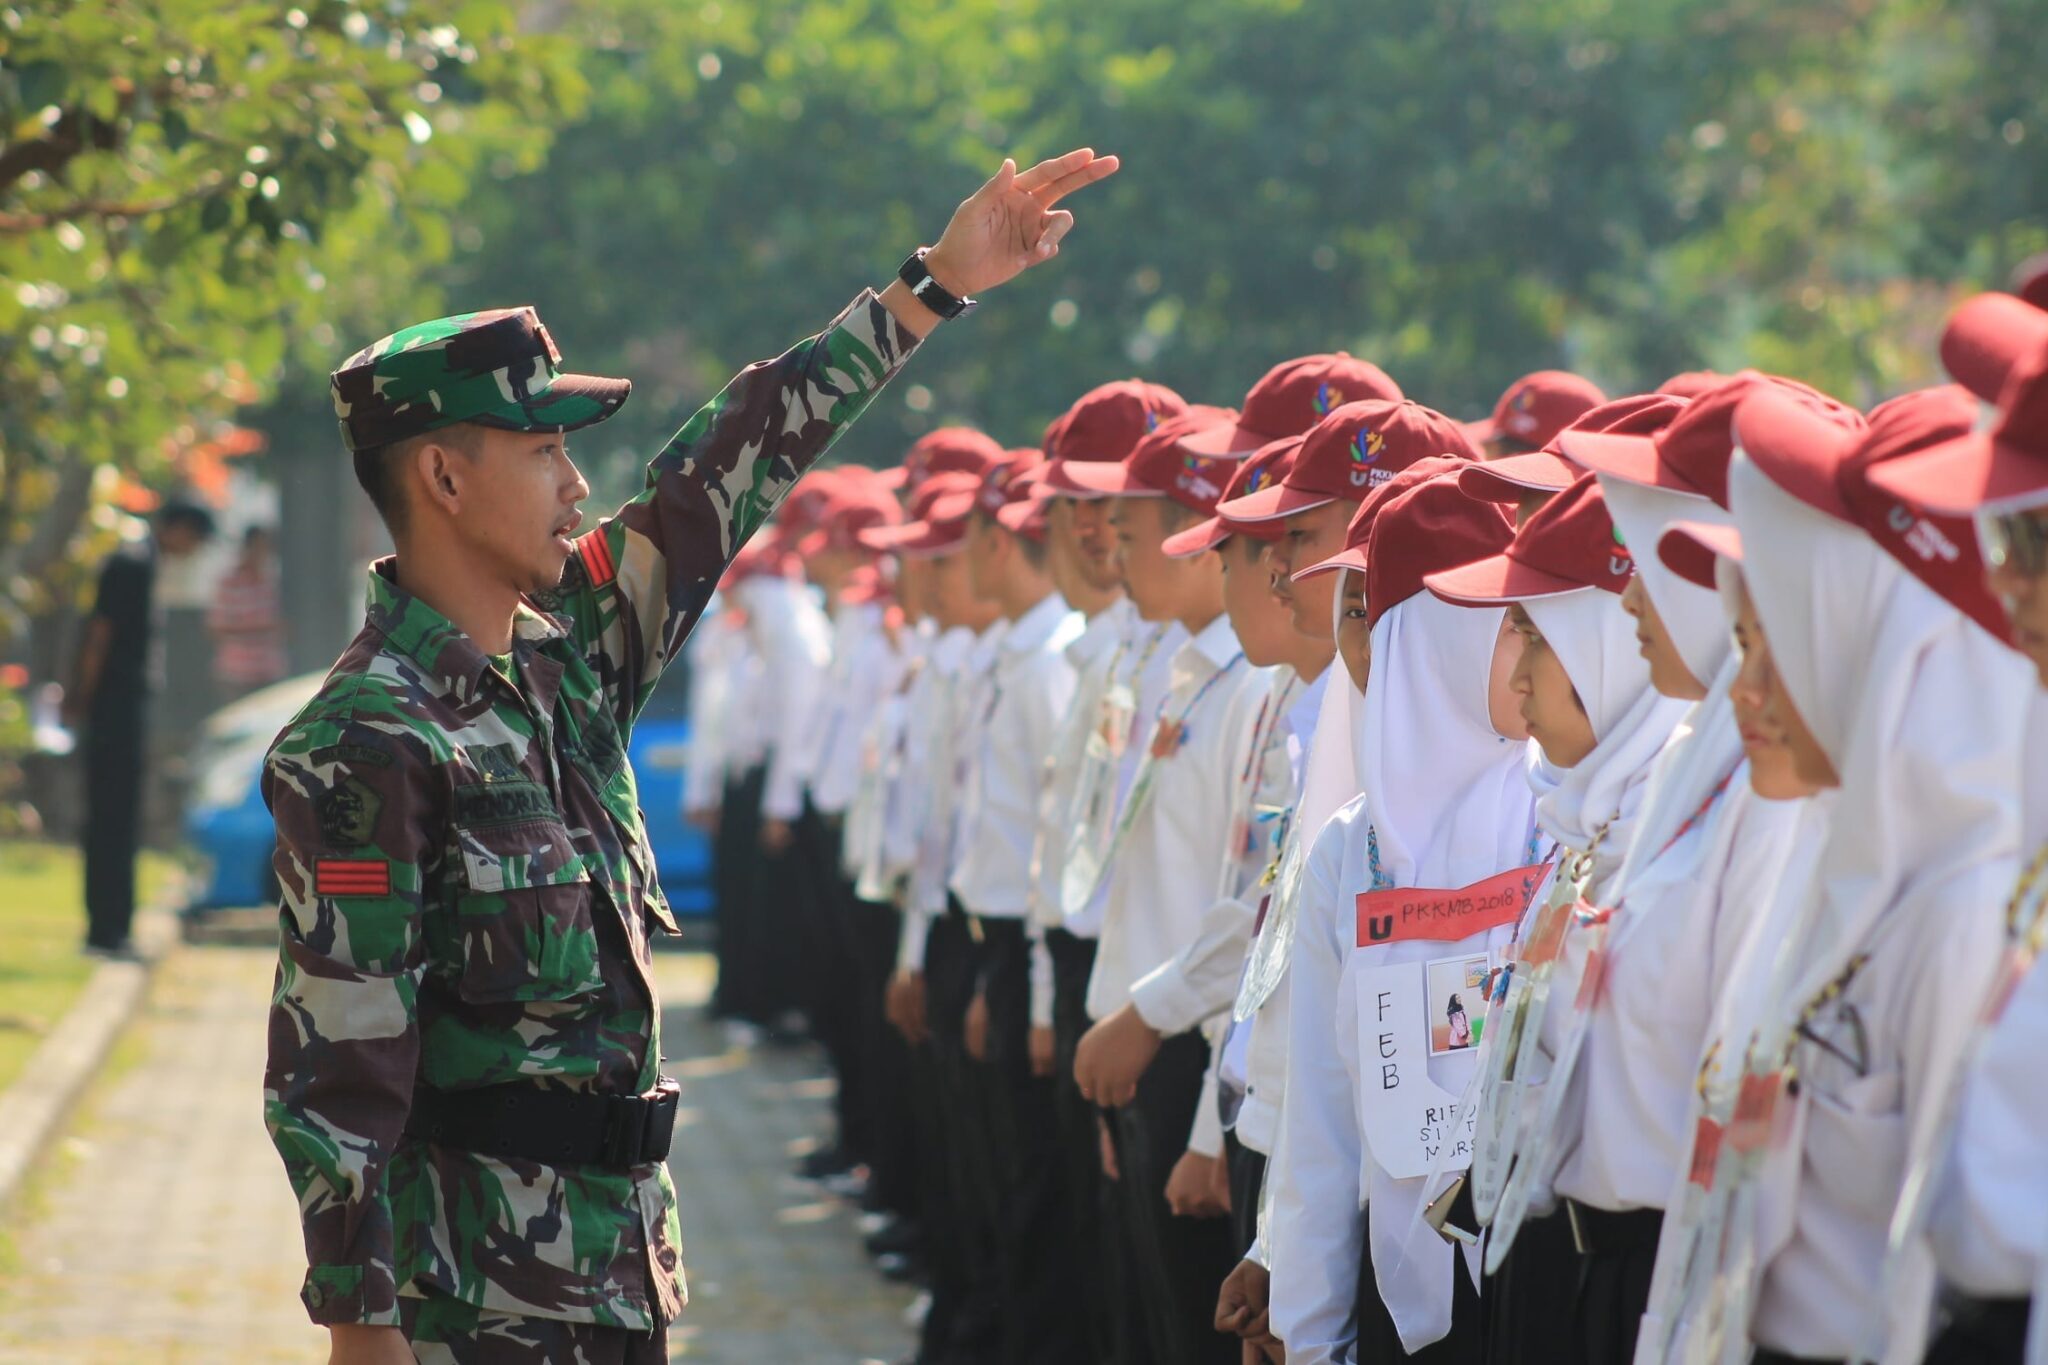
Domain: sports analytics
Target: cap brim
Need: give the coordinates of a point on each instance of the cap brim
(893, 479)
(1690, 548)
(1054, 477)
(1108, 479)
(1496, 581)
(914, 538)
(952, 507)
(1481, 483)
(1225, 438)
(1986, 340)
(1203, 535)
(1026, 518)
(1271, 503)
(573, 401)
(1970, 474)
(1632, 459)
(1481, 431)
(1343, 559)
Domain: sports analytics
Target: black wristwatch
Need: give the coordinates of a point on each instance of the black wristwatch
(929, 291)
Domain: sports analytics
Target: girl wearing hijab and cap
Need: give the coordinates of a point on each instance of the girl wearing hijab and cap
(1978, 1200)
(1910, 709)
(1584, 692)
(1410, 893)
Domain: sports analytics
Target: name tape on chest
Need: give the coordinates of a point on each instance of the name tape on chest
(1446, 916)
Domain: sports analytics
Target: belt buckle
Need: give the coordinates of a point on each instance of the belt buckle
(661, 1118)
(624, 1119)
(1571, 1213)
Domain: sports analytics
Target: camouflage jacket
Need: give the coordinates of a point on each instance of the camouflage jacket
(468, 894)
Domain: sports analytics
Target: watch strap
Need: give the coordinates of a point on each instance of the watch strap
(927, 290)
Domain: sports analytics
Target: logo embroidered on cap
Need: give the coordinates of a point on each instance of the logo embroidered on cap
(1620, 562)
(1922, 536)
(1151, 421)
(1366, 449)
(1328, 396)
(1195, 479)
(1521, 411)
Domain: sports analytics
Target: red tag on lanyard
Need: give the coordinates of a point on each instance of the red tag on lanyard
(1446, 916)
(1706, 1151)
(1749, 1129)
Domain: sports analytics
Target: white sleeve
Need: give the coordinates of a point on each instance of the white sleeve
(1205, 1135)
(795, 675)
(1316, 1234)
(1041, 977)
(917, 927)
(1201, 979)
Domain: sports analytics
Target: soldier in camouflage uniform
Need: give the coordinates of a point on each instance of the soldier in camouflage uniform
(463, 1077)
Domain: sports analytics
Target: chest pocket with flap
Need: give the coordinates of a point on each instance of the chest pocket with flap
(523, 914)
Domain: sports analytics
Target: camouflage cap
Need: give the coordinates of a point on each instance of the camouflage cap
(497, 368)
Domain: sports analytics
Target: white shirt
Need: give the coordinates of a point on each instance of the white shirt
(1092, 654)
(1257, 1059)
(928, 747)
(1823, 1293)
(717, 652)
(1624, 1130)
(1177, 854)
(866, 665)
(1031, 687)
(793, 638)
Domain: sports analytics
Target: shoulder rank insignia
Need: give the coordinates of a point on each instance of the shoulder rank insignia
(351, 876)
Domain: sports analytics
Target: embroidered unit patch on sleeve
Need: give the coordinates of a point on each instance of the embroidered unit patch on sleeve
(351, 877)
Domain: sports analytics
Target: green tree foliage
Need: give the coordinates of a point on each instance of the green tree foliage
(189, 189)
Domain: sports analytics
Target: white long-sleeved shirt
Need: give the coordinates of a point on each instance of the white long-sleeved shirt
(717, 652)
(1257, 1059)
(865, 852)
(1092, 654)
(925, 819)
(1178, 851)
(1031, 686)
(793, 638)
(866, 665)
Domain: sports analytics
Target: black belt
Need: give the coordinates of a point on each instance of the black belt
(1599, 1232)
(556, 1127)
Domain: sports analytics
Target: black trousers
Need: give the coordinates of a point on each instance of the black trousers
(1981, 1332)
(747, 986)
(1247, 1178)
(1040, 1277)
(1078, 1124)
(832, 975)
(963, 1322)
(114, 772)
(1614, 1283)
(1379, 1343)
(891, 1119)
(1765, 1356)
(1177, 1264)
(1530, 1299)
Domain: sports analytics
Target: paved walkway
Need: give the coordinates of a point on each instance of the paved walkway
(164, 1231)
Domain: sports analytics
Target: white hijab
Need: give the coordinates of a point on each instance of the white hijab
(1692, 614)
(1595, 640)
(1917, 708)
(1449, 805)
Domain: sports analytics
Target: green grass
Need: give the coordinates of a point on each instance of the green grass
(42, 928)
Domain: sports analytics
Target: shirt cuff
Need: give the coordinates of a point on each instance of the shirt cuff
(1041, 979)
(343, 1295)
(917, 927)
(1167, 1002)
(1205, 1138)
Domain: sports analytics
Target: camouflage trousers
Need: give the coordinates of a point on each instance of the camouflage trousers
(446, 1331)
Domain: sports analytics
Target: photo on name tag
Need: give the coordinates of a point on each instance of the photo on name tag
(1455, 988)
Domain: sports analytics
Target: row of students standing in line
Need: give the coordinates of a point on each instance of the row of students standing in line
(1555, 980)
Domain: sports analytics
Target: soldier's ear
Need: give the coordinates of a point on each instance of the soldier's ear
(438, 473)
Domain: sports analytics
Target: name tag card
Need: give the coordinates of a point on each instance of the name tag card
(1407, 913)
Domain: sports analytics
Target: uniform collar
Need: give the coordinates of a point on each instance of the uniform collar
(1031, 630)
(1217, 642)
(423, 635)
(1104, 629)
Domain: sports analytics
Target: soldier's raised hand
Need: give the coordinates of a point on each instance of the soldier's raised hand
(1012, 223)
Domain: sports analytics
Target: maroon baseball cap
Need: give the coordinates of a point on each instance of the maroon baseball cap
(1536, 407)
(1412, 527)
(1689, 549)
(1025, 496)
(1356, 448)
(950, 450)
(1997, 347)
(1266, 466)
(1105, 425)
(1162, 467)
(1830, 470)
(854, 506)
(1294, 396)
(1550, 470)
(926, 533)
(1567, 545)
(1690, 454)
(1692, 383)
(2030, 280)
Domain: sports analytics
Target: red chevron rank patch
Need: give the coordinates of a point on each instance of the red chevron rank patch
(351, 877)
(596, 553)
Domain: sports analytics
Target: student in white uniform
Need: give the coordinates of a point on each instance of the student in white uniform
(1030, 688)
(1438, 845)
(1177, 847)
(1908, 710)
(1104, 424)
(1584, 693)
(1980, 1198)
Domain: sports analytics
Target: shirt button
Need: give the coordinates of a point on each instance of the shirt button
(315, 1296)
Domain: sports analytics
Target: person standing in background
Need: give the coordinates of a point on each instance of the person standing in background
(119, 664)
(246, 620)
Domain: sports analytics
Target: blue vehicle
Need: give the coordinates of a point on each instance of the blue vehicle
(229, 828)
